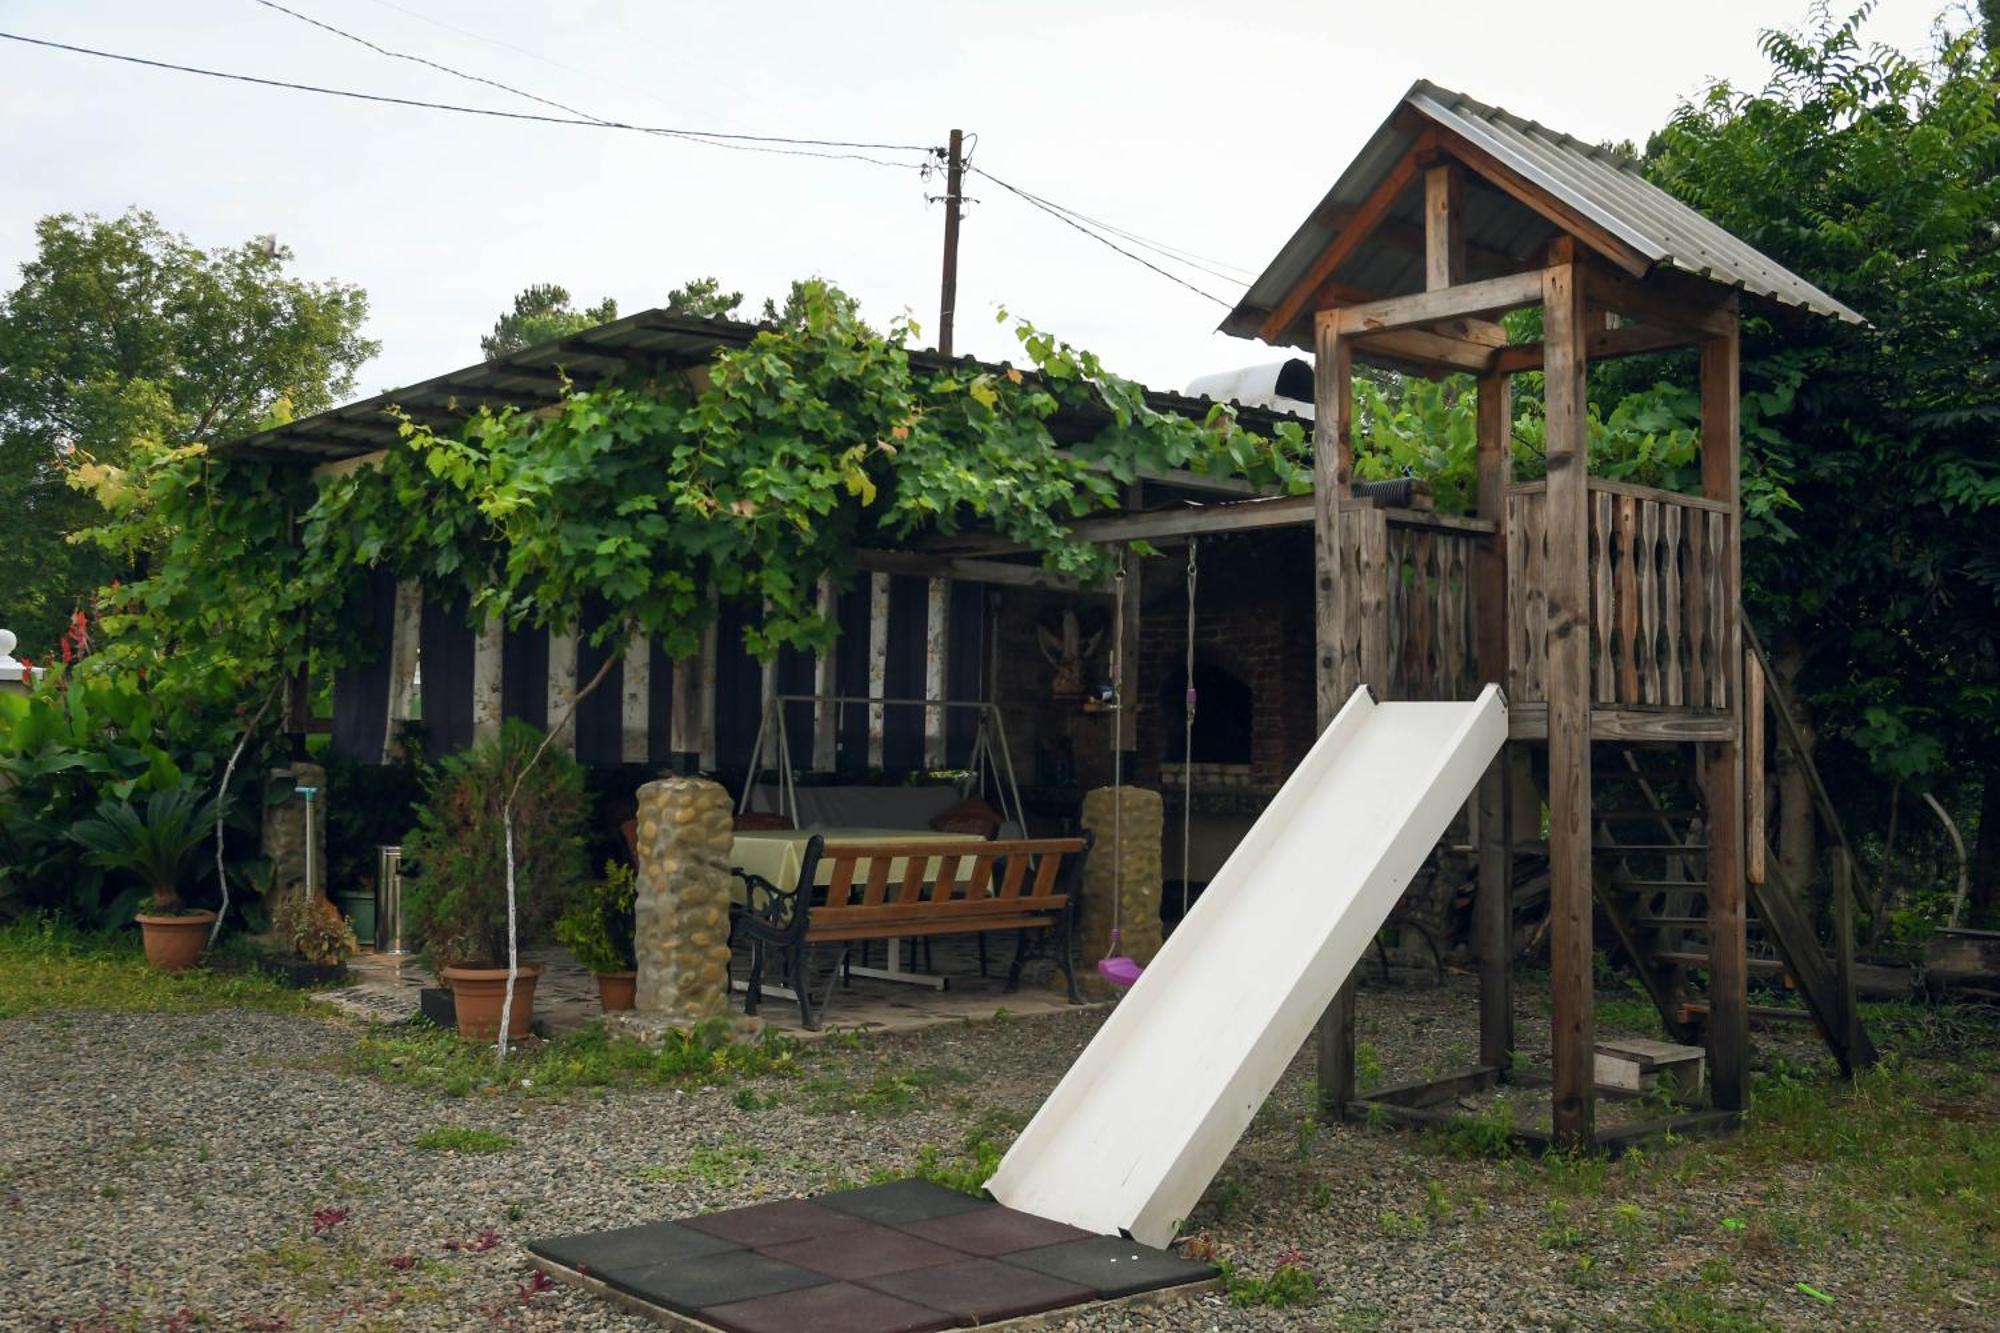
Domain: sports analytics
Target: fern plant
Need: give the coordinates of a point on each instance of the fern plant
(157, 845)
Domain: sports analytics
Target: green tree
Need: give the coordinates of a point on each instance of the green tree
(1878, 177)
(120, 332)
(541, 314)
(703, 298)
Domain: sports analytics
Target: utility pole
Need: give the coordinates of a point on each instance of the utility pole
(948, 290)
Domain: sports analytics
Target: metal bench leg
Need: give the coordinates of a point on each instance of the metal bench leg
(753, 993)
(1020, 957)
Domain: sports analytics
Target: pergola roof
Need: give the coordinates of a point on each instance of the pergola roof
(1526, 182)
(651, 342)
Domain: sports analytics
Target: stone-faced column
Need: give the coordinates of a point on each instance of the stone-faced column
(1111, 877)
(681, 926)
(285, 827)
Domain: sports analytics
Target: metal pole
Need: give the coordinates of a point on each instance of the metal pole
(948, 289)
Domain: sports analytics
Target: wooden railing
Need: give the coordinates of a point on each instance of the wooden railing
(1658, 602)
(1410, 626)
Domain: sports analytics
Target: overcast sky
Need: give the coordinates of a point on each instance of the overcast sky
(1213, 128)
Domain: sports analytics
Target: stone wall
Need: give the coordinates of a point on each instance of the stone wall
(681, 933)
(1122, 887)
(285, 826)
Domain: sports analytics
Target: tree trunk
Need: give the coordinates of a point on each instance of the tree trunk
(1798, 829)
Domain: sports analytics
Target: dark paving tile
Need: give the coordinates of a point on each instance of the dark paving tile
(692, 1284)
(982, 1290)
(772, 1223)
(1110, 1266)
(837, 1307)
(862, 1251)
(654, 1242)
(901, 1201)
(994, 1231)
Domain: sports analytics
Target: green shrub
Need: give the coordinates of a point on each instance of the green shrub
(455, 893)
(597, 926)
(156, 842)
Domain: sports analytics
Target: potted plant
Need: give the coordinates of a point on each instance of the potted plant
(157, 842)
(455, 870)
(597, 930)
(319, 936)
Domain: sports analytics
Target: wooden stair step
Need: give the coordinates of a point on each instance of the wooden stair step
(1652, 848)
(1686, 922)
(1766, 966)
(1622, 884)
(1769, 1013)
(1671, 816)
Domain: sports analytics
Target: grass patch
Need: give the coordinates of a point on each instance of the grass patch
(1290, 1283)
(419, 1054)
(463, 1139)
(45, 965)
(892, 1091)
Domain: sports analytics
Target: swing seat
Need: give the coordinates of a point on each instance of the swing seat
(1119, 971)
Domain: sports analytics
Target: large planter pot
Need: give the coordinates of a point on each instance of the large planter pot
(359, 909)
(174, 942)
(615, 990)
(478, 992)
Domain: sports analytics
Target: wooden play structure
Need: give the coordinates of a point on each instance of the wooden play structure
(1609, 611)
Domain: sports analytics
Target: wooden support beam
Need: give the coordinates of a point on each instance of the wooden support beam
(1604, 345)
(826, 716)
(488, 646)
(1493, 912)
(1366, 216)
(1493, 469)
(1444, 229)
(965, 569)
(878, 665)
(1662, 303)
(1492, 171)
(1429, 351)
(1333, 470)
(405, 636)
(937, 650)
(635, 705)
(1466, 300)
(1753, 769)
(1729, 975)
(1568, 687)
(562, 687)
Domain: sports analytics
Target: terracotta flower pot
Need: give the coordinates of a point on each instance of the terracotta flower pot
(477, 994)
(174, 943)
(616, 989)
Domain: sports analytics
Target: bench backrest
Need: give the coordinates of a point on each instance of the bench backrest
(975, 879)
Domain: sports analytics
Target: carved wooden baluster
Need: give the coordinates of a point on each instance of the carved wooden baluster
(1604, 674)
(1627, 580)
(1649, 600)
(1670, 568)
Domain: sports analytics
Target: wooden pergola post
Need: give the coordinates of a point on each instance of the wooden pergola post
(1493, 910)
(1722, 761)
(1333, 467)
(1564, 318)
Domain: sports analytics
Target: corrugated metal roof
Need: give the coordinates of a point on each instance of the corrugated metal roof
(653, 341)
(1607, 188)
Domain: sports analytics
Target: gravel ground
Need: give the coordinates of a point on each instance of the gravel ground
(159, 1171)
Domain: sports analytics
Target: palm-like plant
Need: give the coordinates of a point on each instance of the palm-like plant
(157, 845)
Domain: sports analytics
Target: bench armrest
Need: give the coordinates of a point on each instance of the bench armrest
(768, 912)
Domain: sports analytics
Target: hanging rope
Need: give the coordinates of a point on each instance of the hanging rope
(1187, 737)
(1115, 967)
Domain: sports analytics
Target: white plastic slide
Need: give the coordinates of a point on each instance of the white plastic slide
(1143, 1120)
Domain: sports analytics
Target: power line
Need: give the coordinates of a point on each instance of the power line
(1063, 216)
(714, 138)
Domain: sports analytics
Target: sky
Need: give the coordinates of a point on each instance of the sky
(1213, 129)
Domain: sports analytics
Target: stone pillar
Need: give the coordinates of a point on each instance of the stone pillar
(1111, 877)
(681, 927)
(285, 827)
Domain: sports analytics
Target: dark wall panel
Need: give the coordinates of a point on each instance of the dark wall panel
(599, 718)
(361, 692)
(660, 709)
(447, 644)
(524, 677)
(903, 727)
(850, 678)
(739, 686)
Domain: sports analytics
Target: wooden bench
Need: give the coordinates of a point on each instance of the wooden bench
(1026, 885)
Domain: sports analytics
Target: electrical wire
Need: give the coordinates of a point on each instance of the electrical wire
(1063, 216)
(713, 138)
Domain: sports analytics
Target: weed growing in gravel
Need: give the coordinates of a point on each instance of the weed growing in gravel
(422, 1055)
(892, 1092)
(463, 1139)
(1401, 1226)
(1290, 1283)
(46, 965)
(1682, 1310)
(967, 1173)
(1487, 1134)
